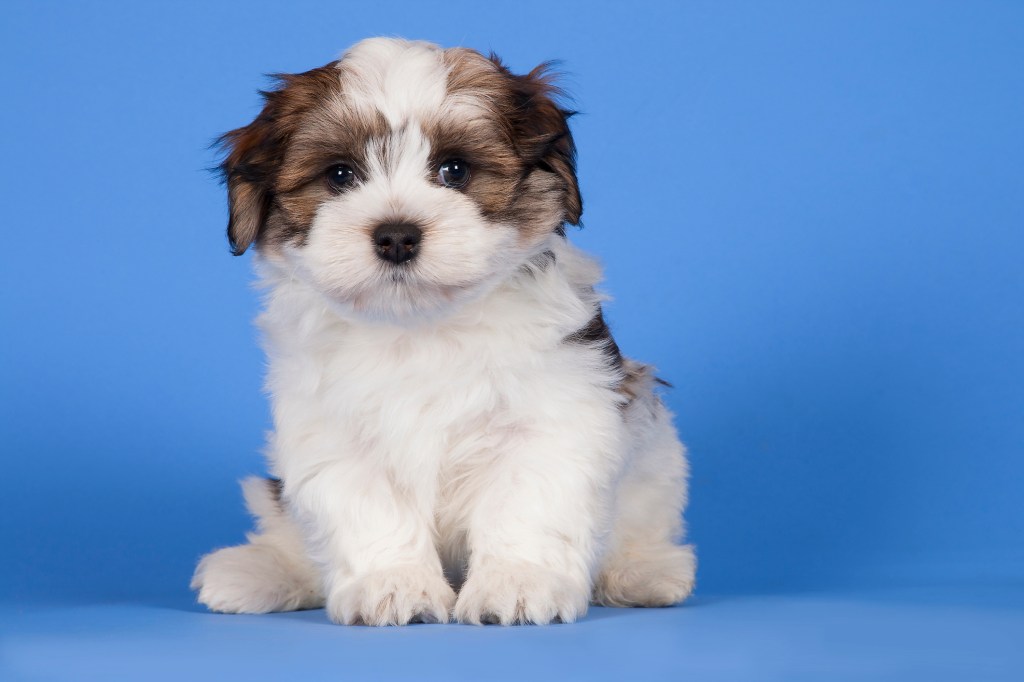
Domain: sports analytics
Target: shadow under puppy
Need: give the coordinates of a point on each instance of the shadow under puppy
(455, 431)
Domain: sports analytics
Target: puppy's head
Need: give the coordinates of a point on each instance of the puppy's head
(403, 179)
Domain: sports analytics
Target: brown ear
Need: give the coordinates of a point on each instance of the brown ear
(253, 154)
(247, 170)
(542, 130)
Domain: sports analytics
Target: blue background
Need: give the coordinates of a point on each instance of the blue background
(812, 220)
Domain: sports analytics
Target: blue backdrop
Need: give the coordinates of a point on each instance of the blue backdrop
(811, 217)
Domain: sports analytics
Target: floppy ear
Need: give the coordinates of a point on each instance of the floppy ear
(253, 154)
(542, 130)
(247, 170)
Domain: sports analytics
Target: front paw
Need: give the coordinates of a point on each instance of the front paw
(397, 596)
(519, 593)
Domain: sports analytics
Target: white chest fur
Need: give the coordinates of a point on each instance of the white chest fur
(435, 403)
(485, 441)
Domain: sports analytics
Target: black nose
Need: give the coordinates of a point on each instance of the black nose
(397, 242)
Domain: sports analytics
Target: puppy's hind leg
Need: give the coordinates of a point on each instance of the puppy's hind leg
(645, 564)
(271, 572)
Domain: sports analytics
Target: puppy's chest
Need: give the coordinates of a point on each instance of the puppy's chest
(429, 396)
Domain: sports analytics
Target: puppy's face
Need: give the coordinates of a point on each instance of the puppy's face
(403, 180)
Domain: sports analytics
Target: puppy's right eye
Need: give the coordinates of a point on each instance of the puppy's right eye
(340, 176)
(453, 173)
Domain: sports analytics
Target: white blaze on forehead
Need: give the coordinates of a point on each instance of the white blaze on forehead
(403, 80)
(396, 167)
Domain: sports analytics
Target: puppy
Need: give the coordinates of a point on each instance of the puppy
(456, 434)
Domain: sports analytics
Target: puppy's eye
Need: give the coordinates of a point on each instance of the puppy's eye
(453, 173)
(340, 176)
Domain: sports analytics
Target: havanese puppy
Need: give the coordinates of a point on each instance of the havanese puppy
(456, 434)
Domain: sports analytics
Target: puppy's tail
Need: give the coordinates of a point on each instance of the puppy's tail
(270, 573)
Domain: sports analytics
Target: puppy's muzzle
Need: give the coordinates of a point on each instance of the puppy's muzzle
(397, 242)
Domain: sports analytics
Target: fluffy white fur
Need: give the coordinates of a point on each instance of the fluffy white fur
(443, 450)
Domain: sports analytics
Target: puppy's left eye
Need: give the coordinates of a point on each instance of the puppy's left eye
(340, 177)
(453, 173)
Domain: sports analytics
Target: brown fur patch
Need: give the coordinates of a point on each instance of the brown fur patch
(276, 488)
(494, 166)
(518, 145)
(256, 155)
(596, 333)
(637, 379)
(521, 143)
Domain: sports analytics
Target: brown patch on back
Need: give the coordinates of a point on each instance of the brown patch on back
(637, 380)
(276, 488)
(596, 333)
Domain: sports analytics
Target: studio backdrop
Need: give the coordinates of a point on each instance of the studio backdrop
(811, 217)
